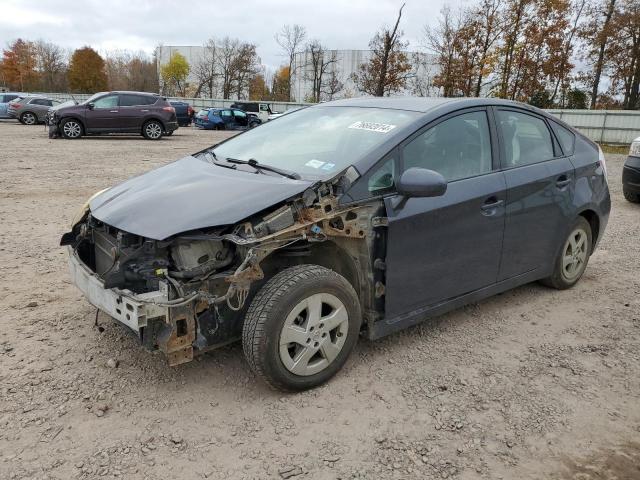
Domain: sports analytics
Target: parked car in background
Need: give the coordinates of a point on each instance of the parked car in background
(261, 110)
(31, 109)
(631, 173)
(355, 217)
(5, 98)
(183, 112)
(147, 114)
(226, 119)
(273, 116)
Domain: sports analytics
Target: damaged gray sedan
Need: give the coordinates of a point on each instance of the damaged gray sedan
(361, 216)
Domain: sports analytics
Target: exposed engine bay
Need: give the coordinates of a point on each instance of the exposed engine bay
(187, 294)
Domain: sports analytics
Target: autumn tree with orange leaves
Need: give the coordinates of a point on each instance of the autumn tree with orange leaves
(87, 71)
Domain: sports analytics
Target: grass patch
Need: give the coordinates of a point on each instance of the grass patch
(617, 149)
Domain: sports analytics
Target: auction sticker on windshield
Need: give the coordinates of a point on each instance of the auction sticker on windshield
(372, 127)
(314, 163)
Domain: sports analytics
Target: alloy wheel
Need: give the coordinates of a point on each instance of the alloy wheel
(72, 129)
(28, 118)
(574, 255)
(313, 334)
(153, 130)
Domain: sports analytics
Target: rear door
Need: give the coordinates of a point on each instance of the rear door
(133, 110)
(443, 247)
(228, 119)
(105, 115)
(240, 118)
(540, 189)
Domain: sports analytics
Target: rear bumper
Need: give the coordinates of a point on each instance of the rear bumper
(631, 175)
(171, 126)
(12, 114)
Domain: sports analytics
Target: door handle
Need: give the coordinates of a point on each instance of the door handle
(113, 111)
(491, 203)
(144, 110)
(562, 181)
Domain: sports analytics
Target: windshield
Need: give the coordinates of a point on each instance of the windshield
(317, 142)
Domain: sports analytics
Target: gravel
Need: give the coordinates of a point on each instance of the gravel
(533, 383)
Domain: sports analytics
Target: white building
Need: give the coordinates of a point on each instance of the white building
(347, 62)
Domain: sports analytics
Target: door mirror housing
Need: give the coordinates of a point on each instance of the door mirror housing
(420, 182)
(90, 106)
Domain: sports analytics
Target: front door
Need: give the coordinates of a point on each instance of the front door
(104, 115)
(540, 189)
(443, 247)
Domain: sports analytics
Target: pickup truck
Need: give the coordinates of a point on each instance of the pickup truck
(183, 112)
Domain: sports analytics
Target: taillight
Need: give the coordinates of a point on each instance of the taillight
(189, 109)
(169, 109)
(602, 161)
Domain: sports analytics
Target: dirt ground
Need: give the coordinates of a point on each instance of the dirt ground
(531, 384)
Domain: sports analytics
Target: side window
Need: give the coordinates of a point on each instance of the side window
(526, 138)
(109, 101)
(225, 113)
(38, 101)
(382, 179)
(264, 107)
(565, 136)
(457, 148)
(239, 114)
(8, 98)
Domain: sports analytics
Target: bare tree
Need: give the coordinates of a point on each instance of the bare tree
(318, 64)
(388, 69)
(205, 70)
(245, 67)
(290, 39)
(226, 60)
(51, 63)
(333, 84)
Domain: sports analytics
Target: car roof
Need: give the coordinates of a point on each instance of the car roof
(422, 104)
(134, 93)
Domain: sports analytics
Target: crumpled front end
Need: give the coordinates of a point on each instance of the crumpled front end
(187, 294)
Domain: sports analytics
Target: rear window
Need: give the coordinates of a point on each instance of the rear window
(135, 100)
(41, 101)
(565, 136)
(8, 98)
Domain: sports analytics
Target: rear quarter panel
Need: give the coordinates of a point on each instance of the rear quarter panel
(591, 189)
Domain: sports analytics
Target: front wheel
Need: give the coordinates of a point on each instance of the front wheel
(152, 130)
(573, 257)
(71, 129)
(301, 327)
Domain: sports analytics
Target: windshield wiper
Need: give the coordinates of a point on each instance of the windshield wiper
(259, 166)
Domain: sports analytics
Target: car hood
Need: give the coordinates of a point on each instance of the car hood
(63, 105)
(189, 194)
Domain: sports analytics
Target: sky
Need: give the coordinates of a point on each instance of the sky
(143, 24)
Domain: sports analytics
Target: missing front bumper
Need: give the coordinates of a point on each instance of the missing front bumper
(169, 329)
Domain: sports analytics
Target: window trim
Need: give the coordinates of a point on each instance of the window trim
(493, 141)
(555, 145)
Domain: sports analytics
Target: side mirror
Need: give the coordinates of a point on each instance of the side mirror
(90, 105)
(420, 182)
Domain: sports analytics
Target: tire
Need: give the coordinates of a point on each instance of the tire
(254, 124)
(28, 118)
(631, 196)
(71, 128)
(573, 257)
(317, 341)
(168, 134)
(152, 130)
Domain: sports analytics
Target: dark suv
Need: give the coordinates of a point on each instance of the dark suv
(147, 114)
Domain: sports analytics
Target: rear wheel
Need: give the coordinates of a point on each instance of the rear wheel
(152, 130)
(631, 196)
(254, 124)
(573, 257)
(28, 118)
(301, 327)
(71, 129)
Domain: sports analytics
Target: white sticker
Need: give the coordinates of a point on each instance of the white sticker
(372, 127)
(328, 166)
(314, 163)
